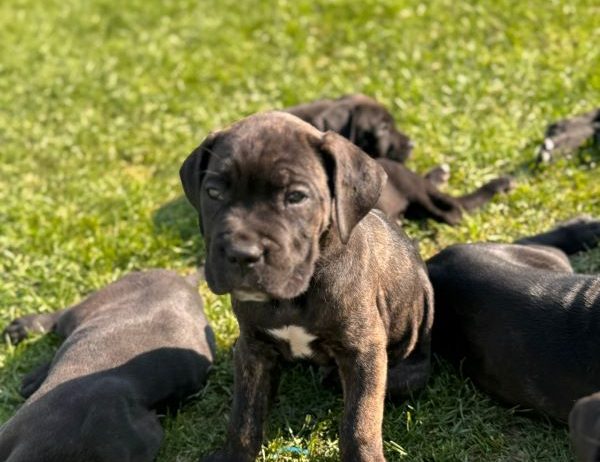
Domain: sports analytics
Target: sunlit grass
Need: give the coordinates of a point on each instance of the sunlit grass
(100, 102)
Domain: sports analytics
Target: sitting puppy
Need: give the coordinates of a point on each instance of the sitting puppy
(370, 126)
(314, 273)
(526, 327)
(584, 422)
(139, 343)
(568, 135)
(362, 120)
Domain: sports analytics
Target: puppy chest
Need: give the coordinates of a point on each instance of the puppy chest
(298, 342)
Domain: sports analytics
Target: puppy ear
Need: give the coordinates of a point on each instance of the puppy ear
(193, 169)
(356, 181)
(339, 119)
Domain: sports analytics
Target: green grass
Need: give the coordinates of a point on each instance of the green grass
(100, 102)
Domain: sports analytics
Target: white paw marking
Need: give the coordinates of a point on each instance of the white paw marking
(548, 144)
(298, 338)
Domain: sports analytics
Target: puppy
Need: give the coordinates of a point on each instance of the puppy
(525, 326)
(370, 126)
(362, 120)
(568, 135)
(314, 273)
(139, 343)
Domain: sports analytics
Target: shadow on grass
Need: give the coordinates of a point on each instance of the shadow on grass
(177, 216)
(178, 220)
(25, 357)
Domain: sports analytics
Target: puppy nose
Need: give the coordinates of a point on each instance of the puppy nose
(244, 253)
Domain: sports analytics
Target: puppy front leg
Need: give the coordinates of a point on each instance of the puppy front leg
(255, 381)
(363, 376)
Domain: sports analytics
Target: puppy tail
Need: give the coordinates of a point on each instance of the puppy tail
(576, 235)
(196, 277)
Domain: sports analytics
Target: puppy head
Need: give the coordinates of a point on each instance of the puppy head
(367, 124)
(266, 190)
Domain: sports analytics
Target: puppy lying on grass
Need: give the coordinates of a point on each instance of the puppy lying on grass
(138, 344)
(524, 326)
(314, 273)
(370, 126)
(567, 135)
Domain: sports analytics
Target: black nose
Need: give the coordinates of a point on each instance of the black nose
(244, 253)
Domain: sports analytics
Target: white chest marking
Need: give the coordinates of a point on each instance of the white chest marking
(298, 338)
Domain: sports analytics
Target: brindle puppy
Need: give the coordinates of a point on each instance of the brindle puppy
(314, 273)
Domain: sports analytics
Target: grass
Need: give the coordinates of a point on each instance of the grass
(100, 102)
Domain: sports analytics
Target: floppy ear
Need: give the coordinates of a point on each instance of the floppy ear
(356, 181)
(193, 168)
(340, 119)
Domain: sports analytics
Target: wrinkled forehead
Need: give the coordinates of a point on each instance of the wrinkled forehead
(278, 151)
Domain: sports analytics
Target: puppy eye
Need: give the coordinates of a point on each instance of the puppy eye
(214, 193)
(295, 197)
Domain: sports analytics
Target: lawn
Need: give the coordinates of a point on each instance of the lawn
(100, 102)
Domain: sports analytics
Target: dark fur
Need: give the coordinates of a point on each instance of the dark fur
(327, 265)
(526, 327)
(369, 125)
(137, 344)
(362, 120)
(584, 424)
(568, 135)
(408, 194)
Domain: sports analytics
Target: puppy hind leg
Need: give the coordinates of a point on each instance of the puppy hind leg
(407, 377)
(485, 193)
(19, 328)
(573, 236)
(32, 381)
(434, 205)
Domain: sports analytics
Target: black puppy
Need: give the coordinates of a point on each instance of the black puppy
(370, 126)
(568, 135)
(527, 327)
(362, 120)
(314, 273)
(139, 343)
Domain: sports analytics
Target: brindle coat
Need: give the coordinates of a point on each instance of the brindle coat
(314, 273)
(523, 326)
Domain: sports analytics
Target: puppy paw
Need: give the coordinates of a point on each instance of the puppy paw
(439, 175)
(17, 330)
